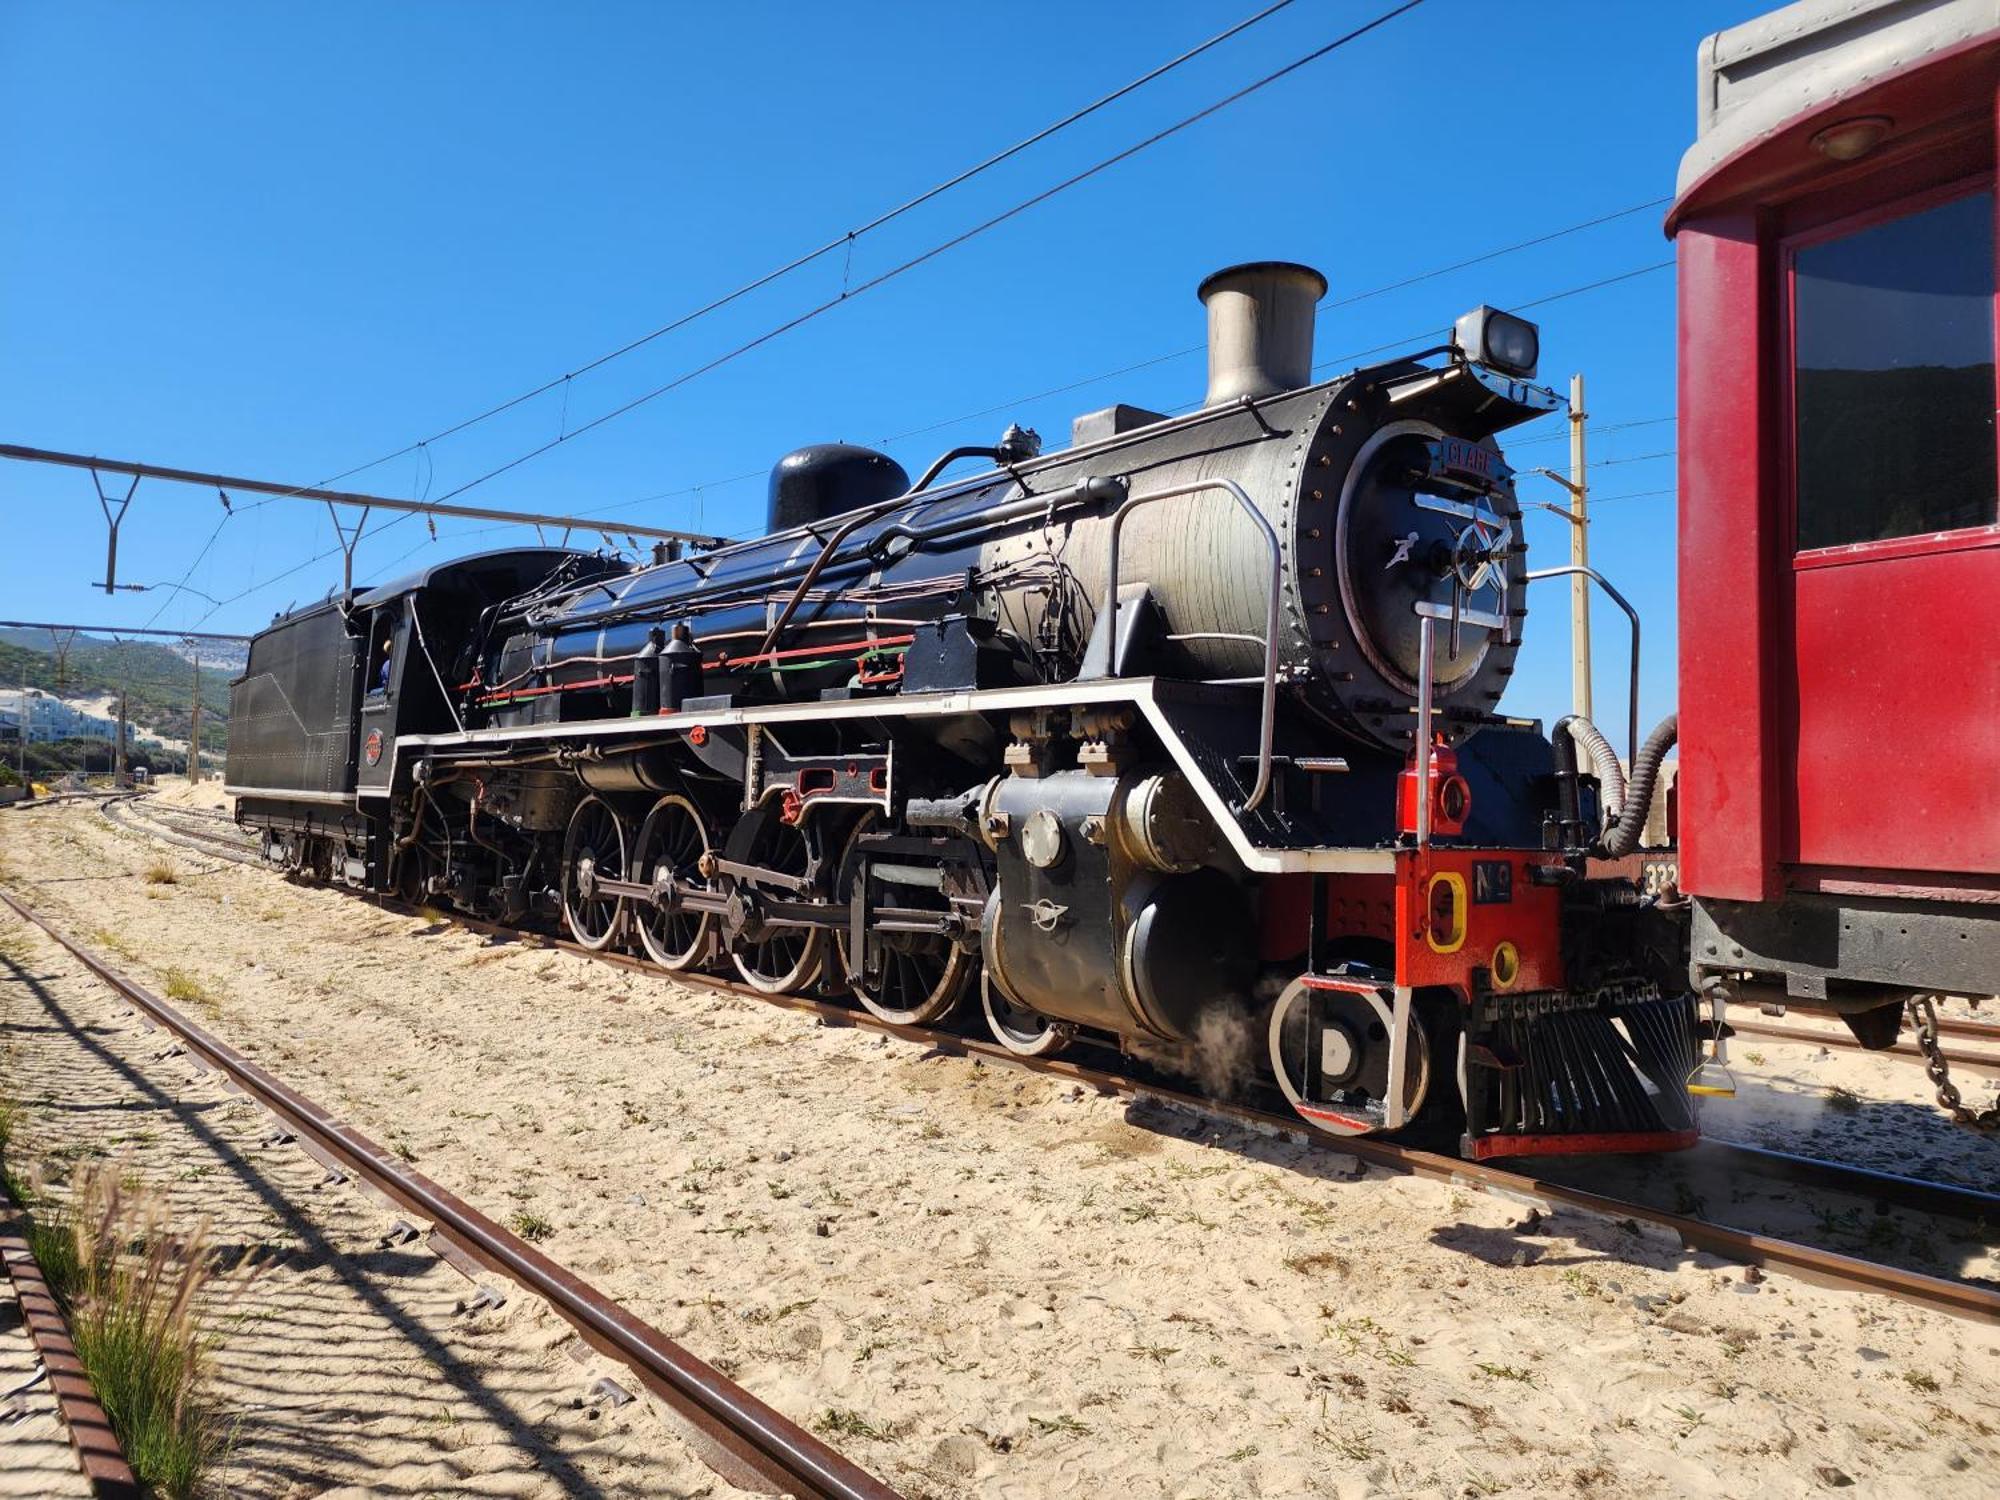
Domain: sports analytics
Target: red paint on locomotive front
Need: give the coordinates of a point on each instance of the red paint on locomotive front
(1502, 904)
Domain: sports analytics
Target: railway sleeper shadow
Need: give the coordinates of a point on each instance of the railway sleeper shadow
(316, 1249)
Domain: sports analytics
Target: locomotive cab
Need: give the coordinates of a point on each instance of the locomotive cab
(414, 628)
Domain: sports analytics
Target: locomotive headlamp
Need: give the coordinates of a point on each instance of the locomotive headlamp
(1499, 339)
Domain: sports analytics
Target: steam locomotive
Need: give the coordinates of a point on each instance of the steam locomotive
(1186, 733)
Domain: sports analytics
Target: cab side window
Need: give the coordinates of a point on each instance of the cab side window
(381, 658)
(1893, 389)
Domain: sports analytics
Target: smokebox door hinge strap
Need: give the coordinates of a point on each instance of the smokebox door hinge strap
(104, 502)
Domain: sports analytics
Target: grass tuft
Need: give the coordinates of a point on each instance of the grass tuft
(1842, 1101)
(1312, 1263)
(1061, 1422)
(184, 989)
(531, 1227)
(162, 873)
(129, 1292)
(838, 1421)
(10, 1122)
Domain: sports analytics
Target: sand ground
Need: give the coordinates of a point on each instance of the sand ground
(35, 1455)
(987, 1284)
(345, 1365)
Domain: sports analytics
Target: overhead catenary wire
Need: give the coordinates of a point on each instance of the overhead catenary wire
(1407, 341)
(924, 257)
(1329, 302)
(1635, 495)
(845, 240)
(1563, 437)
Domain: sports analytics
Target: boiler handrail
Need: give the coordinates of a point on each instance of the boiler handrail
(1267, 724)
(1577, 569)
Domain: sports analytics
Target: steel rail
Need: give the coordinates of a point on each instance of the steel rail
(1947, 1027)
(754, 1439)
(1748, 1247)
(209, 845)
(1902, 1051)
(98, 1453)
(1946, 1200)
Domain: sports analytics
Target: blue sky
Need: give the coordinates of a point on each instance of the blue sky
(280, 240)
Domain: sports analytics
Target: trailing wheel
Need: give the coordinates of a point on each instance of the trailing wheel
(905, 978)
(775, 959)
(668, 851)
(593, 850)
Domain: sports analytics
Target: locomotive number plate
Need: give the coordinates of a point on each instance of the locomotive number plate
(1457, 461)
(1492, 882)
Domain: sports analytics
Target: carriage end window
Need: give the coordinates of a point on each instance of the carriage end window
(1893, 342)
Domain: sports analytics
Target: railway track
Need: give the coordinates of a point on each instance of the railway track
(1940, 1199)
(1843, 1041)
(82, 1415)
(1110, 1076)
(235, 847)
(747, 1442)
(1742, 1246)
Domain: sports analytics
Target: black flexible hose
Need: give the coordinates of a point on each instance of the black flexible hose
(1623, 836)
(1567, 808)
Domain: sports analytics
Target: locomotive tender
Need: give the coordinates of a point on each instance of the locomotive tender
(1185, 734)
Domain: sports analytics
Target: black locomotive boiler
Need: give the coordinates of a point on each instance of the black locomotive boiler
(1187, 732)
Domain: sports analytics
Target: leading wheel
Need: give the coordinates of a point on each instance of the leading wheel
(593, 850)
(911, 978)
(669, 848)
(779, 960)
(1332, 1061)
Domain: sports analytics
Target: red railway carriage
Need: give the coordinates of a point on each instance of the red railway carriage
(1840, 541)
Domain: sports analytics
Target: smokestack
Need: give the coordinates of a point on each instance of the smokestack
(1260, 328)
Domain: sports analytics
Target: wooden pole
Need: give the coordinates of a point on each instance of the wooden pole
(1579, 556)
(194, 730)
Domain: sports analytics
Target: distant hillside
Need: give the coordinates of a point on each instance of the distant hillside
(158, 681)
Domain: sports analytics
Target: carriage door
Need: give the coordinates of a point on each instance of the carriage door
(1894, 573)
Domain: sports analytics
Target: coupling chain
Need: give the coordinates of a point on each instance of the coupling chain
(1923, 1015)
